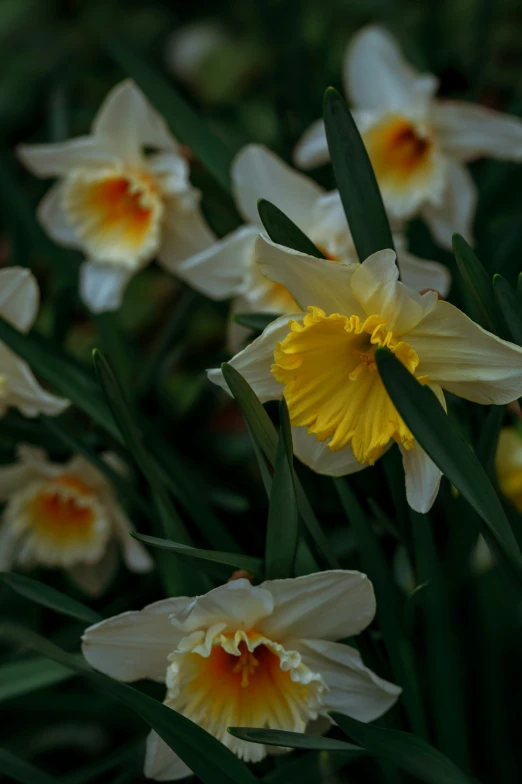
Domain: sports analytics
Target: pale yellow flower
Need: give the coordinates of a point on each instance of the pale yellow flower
(417, 143)
(248, 656)
(323, 361)
(508, 464)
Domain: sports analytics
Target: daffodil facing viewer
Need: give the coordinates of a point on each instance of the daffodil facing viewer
(322, 361)
(123, 196)
(244, 655)
(65, 516)
(418, 144)
(19, 299)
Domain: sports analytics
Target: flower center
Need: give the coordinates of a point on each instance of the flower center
(327, 365)
(243, 680)
(115, 214)
(63, 509)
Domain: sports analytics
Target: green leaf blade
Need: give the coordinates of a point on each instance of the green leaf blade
(283, 231)
(479, 284)
(510, 306)
(295, 740)
(49, 597)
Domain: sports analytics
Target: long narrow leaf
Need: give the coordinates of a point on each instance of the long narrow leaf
(282, 230)
(22, 771)
(49, 597)
(355, 179)
(255, 321)
(510, 306)
(295, 740)
(25, 676)
(479, 285)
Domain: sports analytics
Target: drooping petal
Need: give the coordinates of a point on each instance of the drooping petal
(456, 210)
(94, 579)
(135, 645)
(376, 287)
(312, 148)
(19, 297)
(255, 361)
(377, 77)
(22, 389)
(185, 233)
(327, 606)
(258, 173)
(465, 359)
(127, 122)
(467, 131)
(319, 457)
(311, 281)
(135, 555)
(421, 275)
(53, 218)
(219, 270)
(161, 763)
(237, 605)
(422, 478)
(102, 286)
(353, 688)
(56, 160)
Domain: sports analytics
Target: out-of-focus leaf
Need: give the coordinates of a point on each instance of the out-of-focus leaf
(236, 560)
(355, 179)
(283, 516)
(22, 677)
(427, 420)
(255, 321)
(210, 760)
(282, 230)
(488, 439)
(295, 740)
(308, 768)
(479, 284)
(410, 753)
(265, 434)
(49, 597)
(510, 307)
(22, 771)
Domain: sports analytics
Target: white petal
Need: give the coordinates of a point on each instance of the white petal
(219, 271)
(128, 122)
(258, 173)
(312, 148)
(377, 76)
(95, 578)
(56, 160)
(134, 645)
(327, 606)
(467, 131)
(185, 233)
(311, 281)
(255, 361)
(53, 218)
(317, 455)
(422, 478)
(13, 478)
(19, 297)
(354, 689)
(135, 554)
(420, 274)
(102, 286)
(457, 208)
(237, 604)
(378, 291)
(464, 359)
(161, 763)
(22, 389)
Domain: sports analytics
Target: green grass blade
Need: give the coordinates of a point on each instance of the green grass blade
(410, 753)
(210, 760)
(48, 597)
(479, 285)
(22, 771)
(25, 676)
(282, 230)
(389, 612)
(255, 321)
(510, 307)
(355, 179)
(295, 740)
(430, 425)
(283, 516)
(236, 560)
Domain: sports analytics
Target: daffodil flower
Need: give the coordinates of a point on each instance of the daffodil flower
(65, 516)
(508, 465)
(248, 656)
(417, 143)
(227, 268)
(123, 196)
(19, 299)
(323, 361)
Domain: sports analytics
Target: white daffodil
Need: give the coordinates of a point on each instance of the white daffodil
(417, 144)
(323, 361)
(65, 516)
(19, 299)
(123, 196)
(227, 268)
(248, 656)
